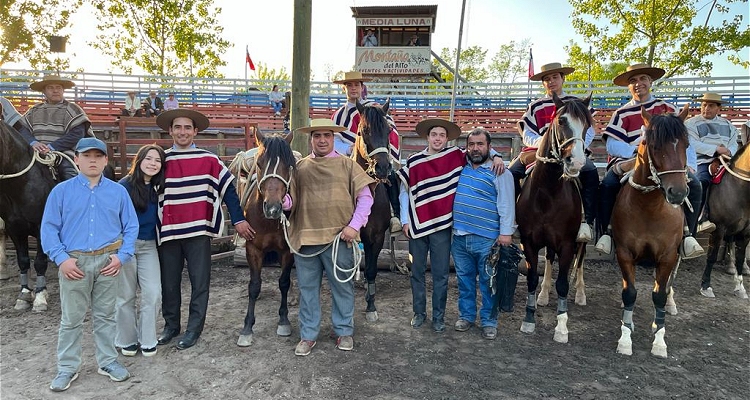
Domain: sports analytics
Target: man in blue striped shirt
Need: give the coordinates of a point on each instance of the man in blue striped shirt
(88, 229)
(484, 212)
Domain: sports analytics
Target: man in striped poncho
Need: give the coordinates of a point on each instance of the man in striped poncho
(196, 182)
(348, 117)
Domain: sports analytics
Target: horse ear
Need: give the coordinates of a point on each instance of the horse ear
(386, 105)
(646, 116)
(587, 100)
(558, 103)
(259, 135)
(288, 138)
(360, 107)
(684, 112)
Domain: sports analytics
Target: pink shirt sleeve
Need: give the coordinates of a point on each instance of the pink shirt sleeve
(362, 209)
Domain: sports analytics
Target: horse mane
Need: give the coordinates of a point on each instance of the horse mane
(664, 129)
(274, 145)
(577, 109)
(10, 142)
(373, 121)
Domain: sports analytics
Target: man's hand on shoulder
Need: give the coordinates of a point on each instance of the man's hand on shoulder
(498, 166)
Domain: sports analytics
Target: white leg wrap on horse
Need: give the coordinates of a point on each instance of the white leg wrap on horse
(561, 330)
(543, 298)
(671, 306)
(40, 301)
(659, 347)
(625, 344)
(739, 288)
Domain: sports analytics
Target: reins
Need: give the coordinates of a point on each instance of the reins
(557, 146)
(722, 159)
(49, 161)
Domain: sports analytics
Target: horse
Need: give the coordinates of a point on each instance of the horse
(647, 221)
(372, 154)
(25, 184)
(729, 202)
(548, 211)
(262, 199)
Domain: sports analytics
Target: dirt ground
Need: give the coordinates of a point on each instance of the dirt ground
(709, 349)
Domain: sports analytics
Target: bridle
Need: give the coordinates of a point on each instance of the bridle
(655, 175)
(369, 158)
(557, 145)
(274, 174)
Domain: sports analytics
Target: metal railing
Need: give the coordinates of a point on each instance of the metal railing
(93, 86)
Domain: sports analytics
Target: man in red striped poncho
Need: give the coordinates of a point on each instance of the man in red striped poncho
(196, 182)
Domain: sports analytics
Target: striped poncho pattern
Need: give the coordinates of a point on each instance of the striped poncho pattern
(431, 180)
(195, 183)
(348, 117)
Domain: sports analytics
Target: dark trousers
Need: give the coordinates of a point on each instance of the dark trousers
(704, 176)
(172, 256)
(393, 191)
(438, 244)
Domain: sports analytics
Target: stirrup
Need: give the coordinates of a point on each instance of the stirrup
(584, 233)
(689, 248)
(604, 245)
(396, 225)
(706, 226)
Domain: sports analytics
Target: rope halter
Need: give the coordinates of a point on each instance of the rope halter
(655, 175)
(274, 174)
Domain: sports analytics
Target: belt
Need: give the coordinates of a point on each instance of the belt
(104, 250)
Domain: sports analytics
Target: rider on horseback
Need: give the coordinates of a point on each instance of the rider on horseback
(535, 123)
(623, 135)
(56, 124)
(712, 136)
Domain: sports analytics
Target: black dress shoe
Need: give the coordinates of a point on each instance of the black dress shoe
(188, 340)
(167, 335)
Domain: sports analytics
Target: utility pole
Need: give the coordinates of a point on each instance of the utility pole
(300, 106)
(458, 58)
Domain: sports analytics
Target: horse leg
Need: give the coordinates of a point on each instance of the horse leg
(372, 250)
(629, 294)
(543, 298)
(285, 282)
(40, 291)
(671, 307)
(532, 280)
(578, 272)
(4, 268)
(563, 286)
(729, 248)
(21, 243)
(740, 248)
(714, 243)
(255, 261)
(659, 296)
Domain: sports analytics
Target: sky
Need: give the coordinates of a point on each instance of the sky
(266, 27)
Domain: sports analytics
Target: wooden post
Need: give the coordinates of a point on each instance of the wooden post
(300, 106)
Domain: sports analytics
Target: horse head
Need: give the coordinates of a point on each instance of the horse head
(274, 164)
(567, 133)
(375, 132)
(665, 142)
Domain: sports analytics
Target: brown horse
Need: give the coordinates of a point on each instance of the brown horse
(548, 211)
(729, 202)
(262, 198)
(647, 220)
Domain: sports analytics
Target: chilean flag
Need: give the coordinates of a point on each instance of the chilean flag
(249, 60)
(531, 63)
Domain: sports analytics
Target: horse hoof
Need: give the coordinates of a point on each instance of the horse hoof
(22, 305)
(625, 349)
(284, 330)
(671, 310)
(528, 327)
(659, 350)
(372, 316)
(731, 270)
(580, 299)
(560, 337)
(40, 301)
(245, 340)
(708, 292)
(741, 293)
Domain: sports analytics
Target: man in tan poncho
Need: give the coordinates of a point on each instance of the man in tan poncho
(331, 198)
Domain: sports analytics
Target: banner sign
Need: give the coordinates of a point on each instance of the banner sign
(393, 60)
(389, 21)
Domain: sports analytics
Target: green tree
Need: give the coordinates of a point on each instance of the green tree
(271, 74)
(471, 67)
(25, 26)
(510, 61)
(162, 37)
(668, 33)
(587, 63)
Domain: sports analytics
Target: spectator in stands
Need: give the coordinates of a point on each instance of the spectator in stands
(171, 103)
(153, 105)
(10, 115)
(56, 124)
(711, 136)
(196, 182)
(622, 137)
(414, 41)
(369, 40)
(348, 117)
(535, 123)
(132, 105)
(277, 100)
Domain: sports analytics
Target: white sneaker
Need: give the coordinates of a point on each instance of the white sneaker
(396, 225)
(604, 245)
(706, 226)
(278, 113)
(584, 233)
(690, 248)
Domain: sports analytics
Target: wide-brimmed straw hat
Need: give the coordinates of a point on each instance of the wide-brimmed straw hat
(164, 120)
(550, 69)
(321, 124)
(710, 97)
(423, 127)
(636, 69)
(353, 76)
(51, 80)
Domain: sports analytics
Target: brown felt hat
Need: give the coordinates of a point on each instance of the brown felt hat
(637, 69)
(321, 124)
(551, 68)
(352, 76)
(423, 127)
(164, 120)
(710, 97)
(51, 80)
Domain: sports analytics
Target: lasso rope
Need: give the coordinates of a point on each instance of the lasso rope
(48, 160)
(723, 159)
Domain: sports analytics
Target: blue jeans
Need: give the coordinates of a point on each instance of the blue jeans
(309, 277)
(469, 254)
(439, 246)
(142, 271)
(276, 106)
